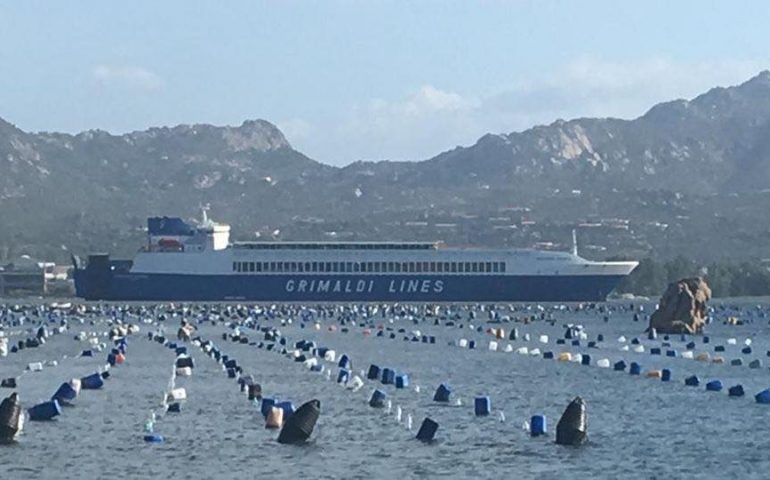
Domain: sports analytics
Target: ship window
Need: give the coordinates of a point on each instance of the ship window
(453, 267)
(259, 266)
(280, 266)
(488, 267)
(496, 267)
(314, 266)
(467, 267)
(398, 267)
(335, 266)
(407, 267)
(235, 266)
(418, 268)
(348, 267)
(460, 267)
(273, 268)
(300, 266)
(321, 266)
(356, 267)
(502, 267)
(474, 267)
(440, 267)
(425, 266)
(294, 267)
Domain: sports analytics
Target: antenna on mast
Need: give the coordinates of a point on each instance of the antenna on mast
(574, 243)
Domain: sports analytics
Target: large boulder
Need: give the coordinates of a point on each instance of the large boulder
(682, 308)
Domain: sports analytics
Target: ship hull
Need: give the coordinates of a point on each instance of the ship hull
(127, 286)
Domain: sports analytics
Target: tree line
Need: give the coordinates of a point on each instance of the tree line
(652, 277)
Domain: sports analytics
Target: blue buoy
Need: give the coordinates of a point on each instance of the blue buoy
(65, 393)
(665, 375)
(575, 343)
(560, 341)
(692, 381)
(671, 353)
(402, 381)
(231, 373)
(619, 366)
(373, 373)
(343, 375)
(86, 353)
(45, 411)
(690, 346)
(388, 376)
(231, 364)
(635, 341)
(538, 425)
(585, 359)
(635, 369)
(92, 382)
(153, 438)
(714, 386)
(181, 350)
(267, 404)
(432, 340)
(706, 339)
(111, 359)
(763, 397)
(344, 361)
(736, 391)
(471, 344)
(378, 399)
(655, 351)
(719, 348)
(548, 355)
(427, 430)
(599, 338)
(482, 406)
(442, 393)
(746, 350)
(652, 334)
(175, 407)
(592, 344)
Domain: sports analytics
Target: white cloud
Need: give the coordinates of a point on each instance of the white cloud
(127, 76)
(430, 120)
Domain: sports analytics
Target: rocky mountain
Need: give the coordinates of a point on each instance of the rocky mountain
(687, 171)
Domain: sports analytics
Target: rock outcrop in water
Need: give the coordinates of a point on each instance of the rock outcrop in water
(682, 308)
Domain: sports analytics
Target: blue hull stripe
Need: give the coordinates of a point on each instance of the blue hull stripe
(337, 288)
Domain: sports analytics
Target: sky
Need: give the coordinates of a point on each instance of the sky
(349, 80)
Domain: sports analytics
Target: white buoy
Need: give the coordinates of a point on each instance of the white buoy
(416, 389)
(622, 339)
(534, 352)
(35, 366)
(747, 342)
(330, 356)
(492, 346)
(462, 343)
(388, 407)
(543, 339)
(731, 341)
(508, 348)
(409, 421)
(458, 402)
(398, 413)
(502, 417)
(522, 350)
(177, 394)
(527, 337)
(688, 354)
(603, 363)
(639, 348)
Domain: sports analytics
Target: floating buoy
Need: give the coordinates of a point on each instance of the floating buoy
(274, 418)
(736, 391)
(757, 363)
(655, 351)
(175, 407)
(299, 426)
(688, 354)
(635, 369)
(267, 404)
(177, 394)
(377, 399)
(92, 382)
(654, 374)
(35, 366)
(373, 373)
(548, 355)
(185, 362)
(184, 371)
(427, 431)
(11, 418)
(344, 361)
(388, 376)
(9, 382)
(665, 375)
(538, 425)
(67, 392)
(619, 366)
(714, 386)
(671, 353)
(343, 376)
(482, 406)
(492, 346)
(603, 363)
(402, 381)
(565, 357)
(692, 381)
(585, 359)
(719, 348)
(736, 362)
(572, 426)
(763, 397)
(45, 411)
(442, 393)
(153, 438)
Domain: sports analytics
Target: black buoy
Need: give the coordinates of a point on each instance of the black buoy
(10, 414)
(300, 424)
(572, 427)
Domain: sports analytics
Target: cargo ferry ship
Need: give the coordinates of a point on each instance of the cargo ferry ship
(184, 262)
